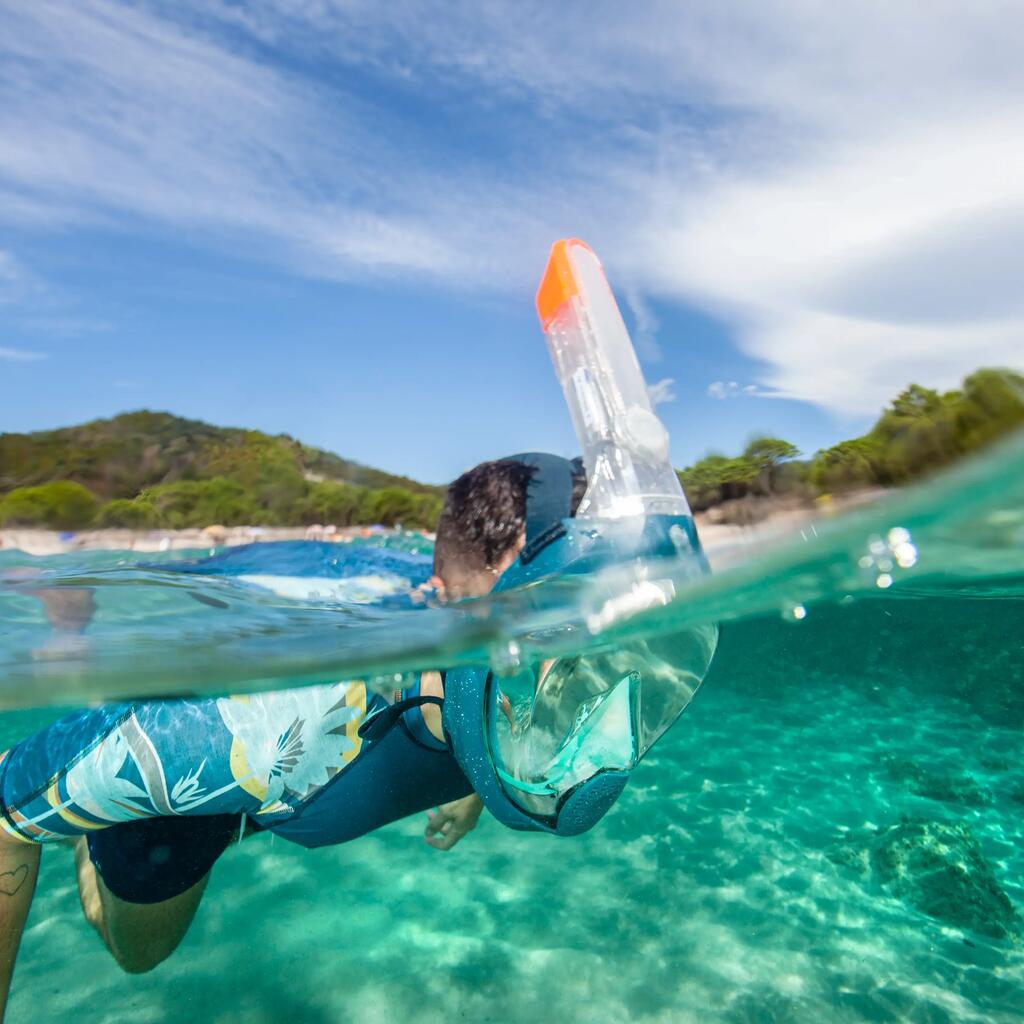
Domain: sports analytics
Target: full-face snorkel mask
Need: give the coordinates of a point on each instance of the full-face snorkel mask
(550, 749)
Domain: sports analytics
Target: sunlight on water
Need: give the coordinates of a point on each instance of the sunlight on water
(833, 831)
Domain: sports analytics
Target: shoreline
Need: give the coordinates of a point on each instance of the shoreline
(40, 543)
(727, 533)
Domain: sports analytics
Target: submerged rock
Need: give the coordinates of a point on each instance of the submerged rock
(938, 868)
(949, 787)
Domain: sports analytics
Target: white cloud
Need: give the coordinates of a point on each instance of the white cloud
(135, 115)
(111, 111)
(21, 355)
(723, 389)
(18, 284)
(843, 184)
(873, 237)
(890, 261)
(645, 323)
(662, 391)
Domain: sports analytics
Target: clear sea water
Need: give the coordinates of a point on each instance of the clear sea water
(832, 832)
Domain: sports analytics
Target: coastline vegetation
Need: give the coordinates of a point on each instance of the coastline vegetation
(920, 432)
(152, 470)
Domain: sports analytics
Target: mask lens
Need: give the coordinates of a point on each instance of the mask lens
(558, 726)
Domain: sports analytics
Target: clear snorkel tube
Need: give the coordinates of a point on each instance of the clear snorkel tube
(625, 445)
(571, 722)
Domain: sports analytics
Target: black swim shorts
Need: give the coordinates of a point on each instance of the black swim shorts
(155, 859)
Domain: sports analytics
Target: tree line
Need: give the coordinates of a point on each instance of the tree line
(149, 470)
(153, 470)
(66, 505)
(921, 431)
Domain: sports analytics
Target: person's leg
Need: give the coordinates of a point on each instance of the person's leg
(139, 935)
(19, 868)
(141, 882)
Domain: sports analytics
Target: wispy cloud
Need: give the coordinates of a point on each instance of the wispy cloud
(645, 324)
(111, 111)
(13, 278)
(65, 326)
(662, 391)
(843, 184)
(21, 355)
(9, 269)
(723, 389)
(871, 237)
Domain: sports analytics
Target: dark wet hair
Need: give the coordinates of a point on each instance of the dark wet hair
(484, 516)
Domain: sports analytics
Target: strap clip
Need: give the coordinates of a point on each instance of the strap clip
(380, 723)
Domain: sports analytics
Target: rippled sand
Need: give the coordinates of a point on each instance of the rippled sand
(707, 895)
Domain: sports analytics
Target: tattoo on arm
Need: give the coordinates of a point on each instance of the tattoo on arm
(12, 881)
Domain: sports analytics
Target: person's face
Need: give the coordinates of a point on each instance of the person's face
(457, 586)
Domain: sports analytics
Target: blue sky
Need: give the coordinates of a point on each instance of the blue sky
(329, 218)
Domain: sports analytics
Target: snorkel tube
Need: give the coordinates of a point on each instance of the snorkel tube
(552, 752)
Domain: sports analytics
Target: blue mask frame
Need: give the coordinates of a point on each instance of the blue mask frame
(556, 544)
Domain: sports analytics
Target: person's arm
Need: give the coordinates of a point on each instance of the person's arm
(69, 610)
(451, 821)
(19, 868)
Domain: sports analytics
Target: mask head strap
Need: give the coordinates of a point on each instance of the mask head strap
(548, 499)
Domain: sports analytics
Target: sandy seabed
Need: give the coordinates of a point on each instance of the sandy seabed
(707, 894)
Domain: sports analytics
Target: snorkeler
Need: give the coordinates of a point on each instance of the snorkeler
(153, 792)
(156, 790)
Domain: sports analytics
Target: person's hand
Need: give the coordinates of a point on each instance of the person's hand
(450, 822)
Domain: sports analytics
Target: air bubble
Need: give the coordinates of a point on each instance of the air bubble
(906, 555)
(506, 660)
(898, 535)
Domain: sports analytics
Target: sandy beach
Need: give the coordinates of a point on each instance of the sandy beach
(729, 534)
(53, 542)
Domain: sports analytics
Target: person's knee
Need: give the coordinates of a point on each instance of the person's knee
(141, 961)
(139, 955)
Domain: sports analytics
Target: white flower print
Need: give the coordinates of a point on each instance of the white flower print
(187, 791)
(293, 740)
(93, 783)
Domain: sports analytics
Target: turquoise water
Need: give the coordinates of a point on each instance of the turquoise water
(833, 831)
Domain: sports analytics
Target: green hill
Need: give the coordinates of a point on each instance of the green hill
(152, 469)
(155, 469)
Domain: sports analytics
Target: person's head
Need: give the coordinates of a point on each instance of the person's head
(482, 527)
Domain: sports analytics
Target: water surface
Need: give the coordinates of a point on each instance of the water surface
(831, 832)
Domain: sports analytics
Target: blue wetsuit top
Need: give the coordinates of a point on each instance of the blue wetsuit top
(292, 762)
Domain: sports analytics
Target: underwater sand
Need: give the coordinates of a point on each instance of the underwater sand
(707, 894)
